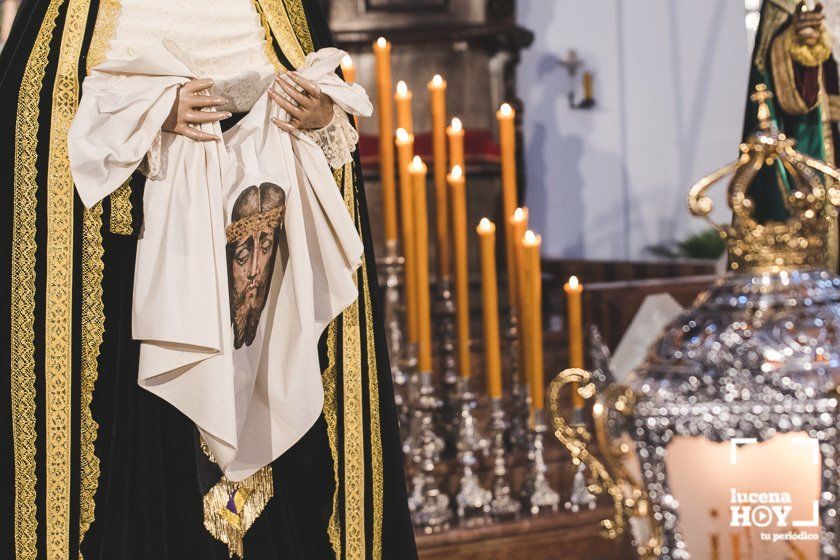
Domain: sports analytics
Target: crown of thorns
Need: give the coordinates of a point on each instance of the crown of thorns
(246, 227)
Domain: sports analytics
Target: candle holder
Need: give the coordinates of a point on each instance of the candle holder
(428, 505)
(448, 358)
(473, 501)
(518, 432)
(537, 493)
(394, 313)
(580, 496)
(503, 505)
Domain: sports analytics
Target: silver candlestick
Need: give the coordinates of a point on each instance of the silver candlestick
(472, 500)
(429, 506)
(518, 432)
(447, 352)
(503, 506)
(580, 497)
(394, 313)
(537, 493)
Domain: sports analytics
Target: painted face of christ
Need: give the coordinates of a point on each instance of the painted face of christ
(253, 235)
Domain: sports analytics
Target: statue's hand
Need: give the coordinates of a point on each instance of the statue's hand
(192, 107)
(808, 24)
(307, 106)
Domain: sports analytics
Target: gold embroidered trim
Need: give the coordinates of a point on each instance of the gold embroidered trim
(281, 26)
(298, 17)
(93, 329)
(833, 244)
(783, 77)
(354, 437)
(269, 42)
(254, 223)
(103, 32)
(328, 379)
(775, 14)
(23, 288)
(58, 359)
(120, 222)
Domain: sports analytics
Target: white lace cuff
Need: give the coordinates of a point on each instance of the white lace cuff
(338, 139)
(152, 164)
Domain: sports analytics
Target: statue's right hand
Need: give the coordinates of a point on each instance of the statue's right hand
(194, 106)
(808, 24)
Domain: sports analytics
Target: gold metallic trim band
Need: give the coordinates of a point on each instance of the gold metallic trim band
(93, 330)
(281, 26)
(120, 222)
(354, 428)
(23, 288)
(297, 15)
(106, 25)
(783, 76)
(328, 379)
(58, 355)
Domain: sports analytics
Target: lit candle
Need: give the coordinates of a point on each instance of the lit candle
(531, 252)
(507, 142)
(417, 169)
(382, 51)
(574, 327)
(348, 70)
(516, 276)
(490, 307)
(405, 151)
(437, 101)
(457, 187)
(403, 99)
(455, 134)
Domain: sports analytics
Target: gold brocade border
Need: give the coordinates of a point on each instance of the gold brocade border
(297, 15)
(280, 24)
(775, 14)
(120, 222)
(354, 428)
(783, 76)
(58, 352)
(328, 379)
(93, 330)
(103, 32)
(828, 146)
(269, 43)
(23, 288)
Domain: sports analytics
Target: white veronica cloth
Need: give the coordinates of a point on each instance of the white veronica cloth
(251, 401)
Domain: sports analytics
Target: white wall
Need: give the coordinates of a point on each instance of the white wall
(670, 84)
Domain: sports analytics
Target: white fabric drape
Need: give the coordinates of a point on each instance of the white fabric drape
(252, 403)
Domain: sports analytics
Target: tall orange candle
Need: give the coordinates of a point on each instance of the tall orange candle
(382, 52)
(516, 276)
(405, 151)
(490, 307)
(437, 102)
(403, 99)
(574, 289)
(421, 233)
(531, 252)
(348, 69)
(457, 188)
(507, 142)
(455, 135)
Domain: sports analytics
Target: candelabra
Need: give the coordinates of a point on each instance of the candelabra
(517, 432)
(429, 506)
(502, 506)
(397, 347)
(537, 492)
(472, 500)
(447, 356)
(580, 496)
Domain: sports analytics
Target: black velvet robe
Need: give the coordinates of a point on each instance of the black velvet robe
(123, 477)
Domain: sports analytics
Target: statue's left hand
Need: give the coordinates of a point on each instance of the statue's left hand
(307, 106)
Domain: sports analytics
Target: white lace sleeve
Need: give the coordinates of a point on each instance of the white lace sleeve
(152, 164)
(338, 139)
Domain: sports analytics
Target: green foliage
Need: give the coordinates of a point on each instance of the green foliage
(703, 245)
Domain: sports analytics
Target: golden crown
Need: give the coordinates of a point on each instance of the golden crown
(802, 241)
